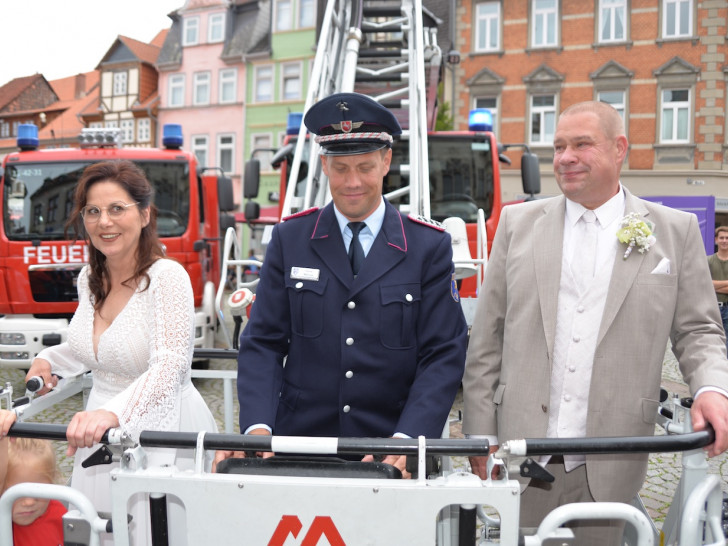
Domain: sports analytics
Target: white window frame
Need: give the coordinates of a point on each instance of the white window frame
(4, 129)
(216, 28)
(127, 130)
(545, 17)
(225, 147)
(96, 125)
(119, 84)
(262, 140)
(291, 72)
(619, 105)
(610, 12)
(144, 130)
(111, 124)
(200, 146)
(545, 114)
(487, 26)
(673, 6)
(676, 109)
(306, 10)
(258, 97)
(176, 90)
(228, 85)
(201, 89)
(283, 15)
(191, 31)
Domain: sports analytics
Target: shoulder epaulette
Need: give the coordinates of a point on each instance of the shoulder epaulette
(300, 213)
(429, 222)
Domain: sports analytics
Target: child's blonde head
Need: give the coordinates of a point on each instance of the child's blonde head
(31, 451)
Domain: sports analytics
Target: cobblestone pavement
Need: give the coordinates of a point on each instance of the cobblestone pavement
(657, 492)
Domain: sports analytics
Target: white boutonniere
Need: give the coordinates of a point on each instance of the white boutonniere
(636, 232)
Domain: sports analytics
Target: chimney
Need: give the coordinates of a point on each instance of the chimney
(80, 87)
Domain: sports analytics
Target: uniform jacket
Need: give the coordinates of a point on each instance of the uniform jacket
(366, 357)
(508, 369)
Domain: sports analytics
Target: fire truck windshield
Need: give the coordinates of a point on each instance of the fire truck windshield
(38, 197)
(461, 175)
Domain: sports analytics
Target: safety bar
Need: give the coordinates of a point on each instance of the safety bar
(530, 447)
(277, 444)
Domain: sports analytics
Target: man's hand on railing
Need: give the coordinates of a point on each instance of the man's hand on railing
(711, 408)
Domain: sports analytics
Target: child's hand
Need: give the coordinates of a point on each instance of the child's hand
(87, 427)
(7, 418)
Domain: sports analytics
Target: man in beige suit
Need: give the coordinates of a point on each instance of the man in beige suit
(571, 328)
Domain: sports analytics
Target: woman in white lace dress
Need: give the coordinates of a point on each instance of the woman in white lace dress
(133, 329)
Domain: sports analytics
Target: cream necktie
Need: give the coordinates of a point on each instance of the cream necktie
(583, 260)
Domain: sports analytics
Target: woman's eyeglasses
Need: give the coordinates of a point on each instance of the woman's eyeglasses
(92, 213)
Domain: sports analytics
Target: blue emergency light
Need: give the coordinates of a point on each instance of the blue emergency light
(480, 119)
(27, 136)
(294, 123)
(172, 136)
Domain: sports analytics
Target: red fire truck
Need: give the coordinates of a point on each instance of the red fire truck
(39, 266)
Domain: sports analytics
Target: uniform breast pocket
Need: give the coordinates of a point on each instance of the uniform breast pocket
(400, 307)
(306, 299)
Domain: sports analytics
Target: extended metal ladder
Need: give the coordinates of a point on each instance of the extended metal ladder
(381, 49)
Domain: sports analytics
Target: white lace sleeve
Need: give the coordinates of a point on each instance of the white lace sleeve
(152, 401)
(63, 362)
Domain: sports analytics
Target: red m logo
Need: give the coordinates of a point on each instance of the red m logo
(320, 526)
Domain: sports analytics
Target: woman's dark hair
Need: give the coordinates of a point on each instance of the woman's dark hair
(133, 180)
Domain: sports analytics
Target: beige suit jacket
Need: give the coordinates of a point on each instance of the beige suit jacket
(508, 369)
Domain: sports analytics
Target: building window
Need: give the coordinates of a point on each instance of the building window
(226, 153)
(191, 31)
(491, 103)
(263, 83)
(260, 142)
(52, 208)
(111, 124)
(144, 132)
(677, 18)
(675, 116)
(4, 129)
(127, 130)
(291, 77)
(306, 14)
(96, 125)
(283, 14)
(216, 28)
(119, 83)
(228, 85)
(177, 90)
(201, 88)
(613, 98)
(201, 148)
(612, 17)
(544, 30)
(487, 26)
(543, 119)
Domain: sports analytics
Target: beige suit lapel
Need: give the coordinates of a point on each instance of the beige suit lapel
(624, 271)
(548, 246)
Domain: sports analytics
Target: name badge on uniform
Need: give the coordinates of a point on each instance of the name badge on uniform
(305, 273)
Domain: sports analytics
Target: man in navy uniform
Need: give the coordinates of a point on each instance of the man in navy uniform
(368, 322)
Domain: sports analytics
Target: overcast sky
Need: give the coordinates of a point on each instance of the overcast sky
(60, 38)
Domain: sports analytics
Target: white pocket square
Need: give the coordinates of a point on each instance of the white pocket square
(663, 268)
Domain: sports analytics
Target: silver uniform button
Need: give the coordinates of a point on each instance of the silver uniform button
(409, 297)
(299, 285)
(351, 305)
(347, 408)
(350, 341)
(349, 374)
